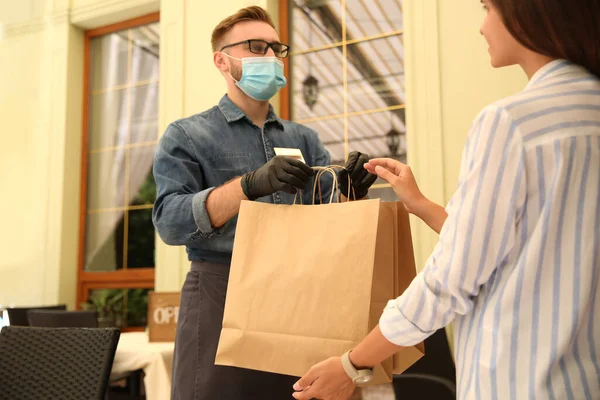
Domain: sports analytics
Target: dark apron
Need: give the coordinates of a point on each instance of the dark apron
(195, 375)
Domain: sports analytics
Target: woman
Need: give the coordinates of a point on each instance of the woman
(518, 263)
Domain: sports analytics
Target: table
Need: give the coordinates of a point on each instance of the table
(134, 352)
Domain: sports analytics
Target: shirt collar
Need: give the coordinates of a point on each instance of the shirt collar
(552, 70)
(232, 112)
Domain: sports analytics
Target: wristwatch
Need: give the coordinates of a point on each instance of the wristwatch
(360, 376)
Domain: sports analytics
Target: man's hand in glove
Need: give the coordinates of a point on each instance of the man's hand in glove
(361, 179)
(280, 174)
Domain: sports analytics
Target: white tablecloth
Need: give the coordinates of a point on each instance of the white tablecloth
(156, 359)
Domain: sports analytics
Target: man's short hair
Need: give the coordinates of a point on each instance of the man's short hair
(253, 13)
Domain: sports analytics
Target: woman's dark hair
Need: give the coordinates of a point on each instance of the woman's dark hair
(567, 29)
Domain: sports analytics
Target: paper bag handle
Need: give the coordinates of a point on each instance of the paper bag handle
(320, 172)
(331, 168)
(317, 184)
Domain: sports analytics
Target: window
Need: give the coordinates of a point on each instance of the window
(116, 255)
(346, 70)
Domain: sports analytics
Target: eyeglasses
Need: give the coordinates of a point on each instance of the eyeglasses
(258, 46)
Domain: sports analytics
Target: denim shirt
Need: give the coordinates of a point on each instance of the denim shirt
(197, 154)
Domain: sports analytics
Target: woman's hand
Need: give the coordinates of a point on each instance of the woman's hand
(402, 180)
(326, 380)
(404, 184)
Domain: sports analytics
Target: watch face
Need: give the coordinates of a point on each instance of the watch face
(363, 379)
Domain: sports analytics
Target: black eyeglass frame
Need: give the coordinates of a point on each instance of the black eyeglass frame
(285, 47)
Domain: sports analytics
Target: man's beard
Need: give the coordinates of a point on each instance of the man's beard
(235, 71)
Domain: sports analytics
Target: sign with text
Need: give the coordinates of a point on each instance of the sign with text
(163, 309)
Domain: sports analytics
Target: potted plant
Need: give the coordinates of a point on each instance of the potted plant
(137, 307)
(108, 303)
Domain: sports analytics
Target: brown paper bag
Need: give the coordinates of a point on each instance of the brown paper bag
(310, 282)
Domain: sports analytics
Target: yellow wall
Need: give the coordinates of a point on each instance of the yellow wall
(41, 48)
(468, 81)
(448, 81)
(22, 172)
(40, 107)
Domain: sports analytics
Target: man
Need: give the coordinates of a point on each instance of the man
(204, 167)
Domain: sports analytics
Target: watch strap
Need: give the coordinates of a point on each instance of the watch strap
(357, 376)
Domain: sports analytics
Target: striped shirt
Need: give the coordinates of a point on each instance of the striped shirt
(518, 264)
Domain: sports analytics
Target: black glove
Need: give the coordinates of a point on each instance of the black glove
(281, 173)
(360, 177)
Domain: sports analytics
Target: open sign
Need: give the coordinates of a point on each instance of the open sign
(163, 310)
(165, 315)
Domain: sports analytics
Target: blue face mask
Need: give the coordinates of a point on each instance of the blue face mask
(262, 77)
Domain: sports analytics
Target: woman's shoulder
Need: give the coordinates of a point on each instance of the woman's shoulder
(576, 87)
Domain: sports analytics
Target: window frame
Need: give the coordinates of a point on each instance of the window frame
(285, 102)
(284, 37)
(132, 278)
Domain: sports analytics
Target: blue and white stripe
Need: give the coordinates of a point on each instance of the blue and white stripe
(518, 261)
